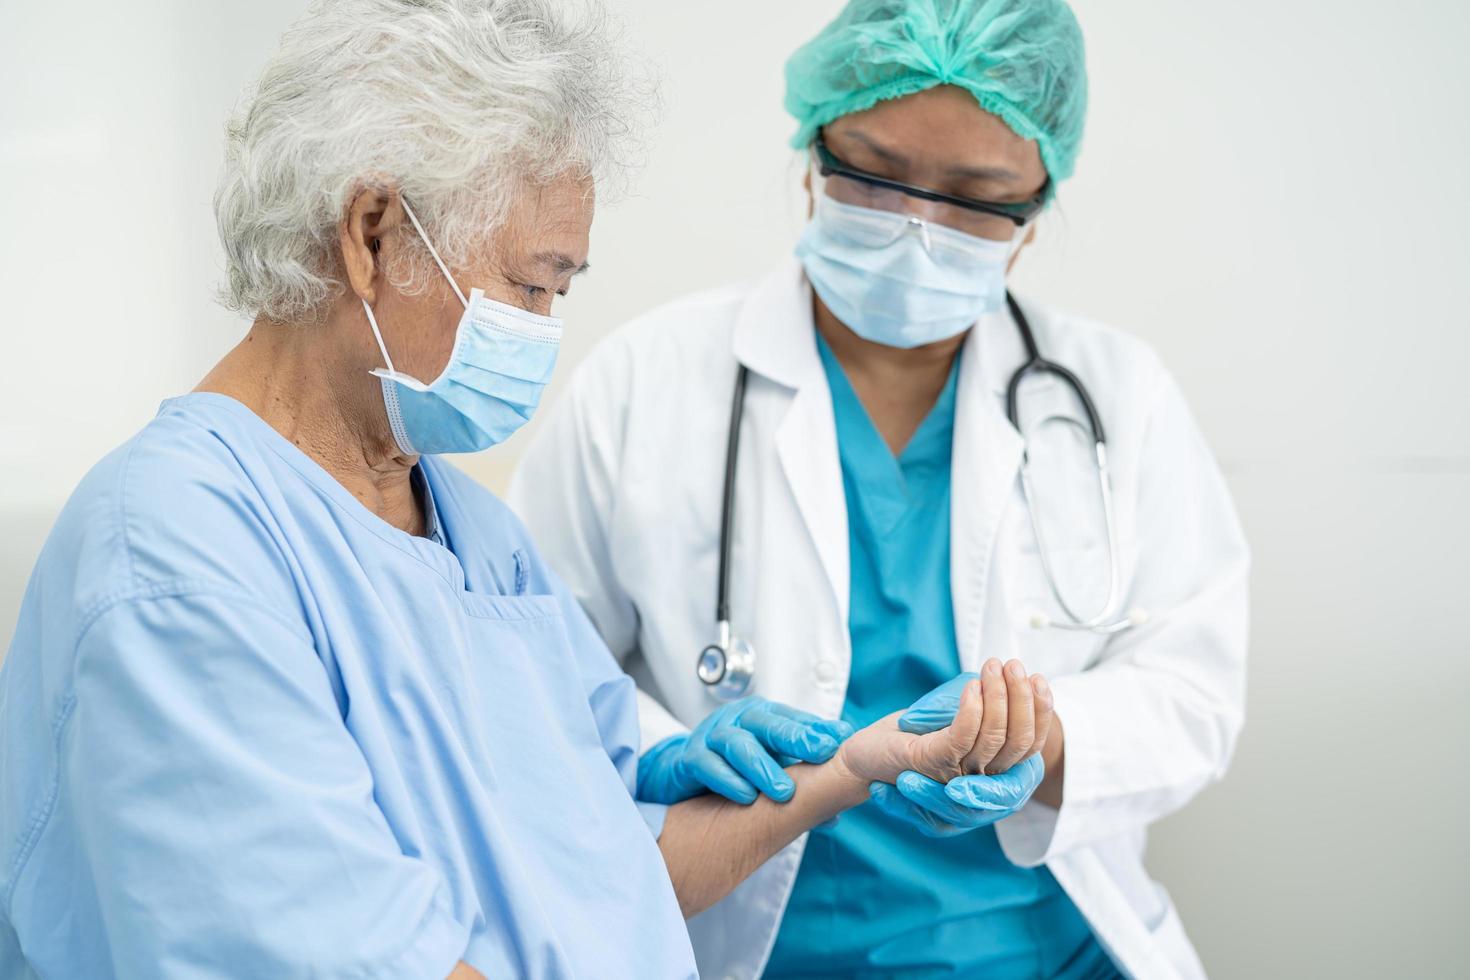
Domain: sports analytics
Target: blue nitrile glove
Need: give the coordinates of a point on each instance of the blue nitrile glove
(965, 803)
(732, 752)
(936, 709)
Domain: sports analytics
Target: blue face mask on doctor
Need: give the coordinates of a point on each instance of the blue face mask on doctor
(502, 359)
(898, 280)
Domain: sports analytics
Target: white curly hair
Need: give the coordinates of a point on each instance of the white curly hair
(458, 104)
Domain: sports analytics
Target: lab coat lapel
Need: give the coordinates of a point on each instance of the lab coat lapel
(986, 460)
(807, 446)
(775, 338)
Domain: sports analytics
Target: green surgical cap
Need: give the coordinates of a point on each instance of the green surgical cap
(1021, 59)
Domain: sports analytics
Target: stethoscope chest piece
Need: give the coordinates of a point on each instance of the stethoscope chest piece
(727, 667)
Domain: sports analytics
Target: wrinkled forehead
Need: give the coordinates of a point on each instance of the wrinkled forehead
(548, 225)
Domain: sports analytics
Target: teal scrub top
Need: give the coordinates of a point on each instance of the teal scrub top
(873, 896)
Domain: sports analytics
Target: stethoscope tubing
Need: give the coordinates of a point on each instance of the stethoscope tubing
(1104, 622)
(727, 506)
(1036, 364)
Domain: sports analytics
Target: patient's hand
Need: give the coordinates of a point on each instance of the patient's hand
(881, 751)
(1017, 715)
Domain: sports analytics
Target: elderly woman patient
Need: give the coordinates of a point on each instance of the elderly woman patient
(289, 695)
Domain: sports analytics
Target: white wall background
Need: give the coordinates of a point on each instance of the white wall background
(1272, 193)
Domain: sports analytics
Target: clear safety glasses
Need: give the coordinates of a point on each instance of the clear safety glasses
(1000, 222)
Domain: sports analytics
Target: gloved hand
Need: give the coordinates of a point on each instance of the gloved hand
(1016, 714)
(1015, 721)
(732, 752)
(936, 709)
(963, 804)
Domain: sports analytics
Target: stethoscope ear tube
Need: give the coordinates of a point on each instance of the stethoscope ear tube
(1106, 620)
(1036, 364)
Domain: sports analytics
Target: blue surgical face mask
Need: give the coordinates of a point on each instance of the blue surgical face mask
(898, 280)
(502, 359)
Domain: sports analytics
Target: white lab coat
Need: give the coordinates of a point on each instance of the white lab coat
(622, 491)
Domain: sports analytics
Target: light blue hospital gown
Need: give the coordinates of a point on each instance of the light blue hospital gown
(249, 729)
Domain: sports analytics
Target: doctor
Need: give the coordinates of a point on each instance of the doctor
(929, 478)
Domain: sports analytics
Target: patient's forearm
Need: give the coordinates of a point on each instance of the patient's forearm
(711, 844)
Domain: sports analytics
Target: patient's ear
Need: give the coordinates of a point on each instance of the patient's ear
(365, 236)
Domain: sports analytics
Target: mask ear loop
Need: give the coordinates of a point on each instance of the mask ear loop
(373, 321)
(433, 251)
(378, 335)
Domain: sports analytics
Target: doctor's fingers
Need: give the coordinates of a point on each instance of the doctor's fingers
(888, 799)
(1002, 794)
(1020, 721)
(936, 709)
(836, 727)
(744, 752)
(933, 797)
(794, 733)
(707, 768)
(994, 721)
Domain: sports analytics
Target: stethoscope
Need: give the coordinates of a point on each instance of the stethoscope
(727, 666)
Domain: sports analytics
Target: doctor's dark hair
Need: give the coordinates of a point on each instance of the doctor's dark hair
(460, 104)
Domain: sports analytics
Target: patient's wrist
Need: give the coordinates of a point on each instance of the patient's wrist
(848, 788)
